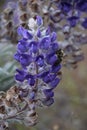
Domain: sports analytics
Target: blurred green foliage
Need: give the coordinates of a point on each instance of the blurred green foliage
(7, 65)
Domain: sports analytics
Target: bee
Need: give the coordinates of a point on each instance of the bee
(59, 54)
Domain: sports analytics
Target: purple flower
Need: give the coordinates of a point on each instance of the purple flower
(54, 83)
(25, 59)
(22, 46)
(24, 33)
(40, 60)
(53, 37)
(39, 20)
(48, 101)
(40, 63)
(43, 74)
(33, 46)
(38, 33)
(51, 58)
(82, 5)
(31, 80)
(48, 93)
(49, 77)
(55, 68)
(45, 42)
(17, 56)
(48, 31)
(73, 20)
(20, 75)
(54, 47)
(65, 6)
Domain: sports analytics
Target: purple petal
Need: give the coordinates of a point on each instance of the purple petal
(48, 31)
(17, 57)
(24, 33)
(48, 102)
(82, 6)
(48, 93)
(31, 79)
(51, 58)
(40, 60)
(39, 20)
(20, 76)
(45, 42)
(54, 83)
(55, 68)
(53, 37)
(25, 59)
(38, 33)
(33, 46)
(65, 7)
(42, 75)
(73, 20)
(48, 78)
(21, 47)
(54, 47)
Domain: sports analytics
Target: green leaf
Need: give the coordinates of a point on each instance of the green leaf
(7, 66)
(6, 83)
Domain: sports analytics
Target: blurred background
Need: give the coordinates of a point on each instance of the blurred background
(69, 112)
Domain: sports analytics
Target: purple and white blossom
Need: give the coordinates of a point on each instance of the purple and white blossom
(40, 64)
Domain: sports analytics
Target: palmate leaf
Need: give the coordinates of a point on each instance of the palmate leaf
(7, 66)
